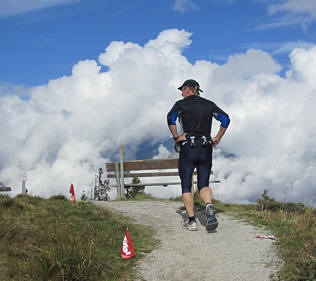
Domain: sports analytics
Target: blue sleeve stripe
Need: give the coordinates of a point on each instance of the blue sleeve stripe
(174, 117)
(224, 119)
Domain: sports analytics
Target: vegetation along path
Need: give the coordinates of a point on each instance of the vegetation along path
(230, 253)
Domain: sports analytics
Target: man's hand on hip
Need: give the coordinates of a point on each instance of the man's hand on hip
(181, 138)
(216, 141)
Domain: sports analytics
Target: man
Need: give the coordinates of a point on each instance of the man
(196, 146)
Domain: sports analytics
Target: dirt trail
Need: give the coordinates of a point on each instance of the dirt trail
(231, 253)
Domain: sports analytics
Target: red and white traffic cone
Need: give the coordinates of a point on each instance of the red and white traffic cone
(72, 191)
(272, 237)
(127, 250)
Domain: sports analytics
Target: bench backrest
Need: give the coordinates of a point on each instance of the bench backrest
(145, 165)
(5, 188)
(149, 164)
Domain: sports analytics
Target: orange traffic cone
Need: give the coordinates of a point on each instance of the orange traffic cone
(72, 191)
(127, 250)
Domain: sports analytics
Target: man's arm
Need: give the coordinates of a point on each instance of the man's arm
(174, 132)
(223, 117)
(216, 140)
(171, 119)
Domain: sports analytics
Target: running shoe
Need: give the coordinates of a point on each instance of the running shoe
(211, 221)
(192, 226)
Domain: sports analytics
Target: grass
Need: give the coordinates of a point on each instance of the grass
(56, 239)
(295, 227)
(140, 196)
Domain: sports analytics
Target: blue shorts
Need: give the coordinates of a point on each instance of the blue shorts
(191, 157)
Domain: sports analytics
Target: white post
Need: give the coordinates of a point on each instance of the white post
(118, 183)
(23, 179)
(23, 187)
(122, 172)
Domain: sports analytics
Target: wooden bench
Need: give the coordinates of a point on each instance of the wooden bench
(149, 168)
(5, 188)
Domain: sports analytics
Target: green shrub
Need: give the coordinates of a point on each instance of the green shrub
(269, 203)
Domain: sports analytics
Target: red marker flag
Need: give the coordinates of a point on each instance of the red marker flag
(72, 191)
(272, 237)
(127, 250)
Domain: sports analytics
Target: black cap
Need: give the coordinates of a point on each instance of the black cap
(192, 84)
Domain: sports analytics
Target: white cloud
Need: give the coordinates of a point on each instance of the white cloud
(304, 65)
(164, 153)
(285, 21)
(13, 7)
(290, 46)
(293, 6)
(184, 5)
(68, 128)
(8, 89)
(277, 48)
(224, 1)
(290, 12)
(248, 65)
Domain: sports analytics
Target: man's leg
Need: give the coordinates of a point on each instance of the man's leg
(206, 194)
(203, 169)
(188, 203)
(210, 213)
(186, 167)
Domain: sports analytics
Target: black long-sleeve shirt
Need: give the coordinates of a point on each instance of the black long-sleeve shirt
(195, 114)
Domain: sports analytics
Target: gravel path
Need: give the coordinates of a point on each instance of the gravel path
(231, 253)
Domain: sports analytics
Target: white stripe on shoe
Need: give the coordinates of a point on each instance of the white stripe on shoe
(192, 226)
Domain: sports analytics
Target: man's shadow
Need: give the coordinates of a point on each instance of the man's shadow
(199, 213)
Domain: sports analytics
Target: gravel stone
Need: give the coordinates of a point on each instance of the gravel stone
(230, 253)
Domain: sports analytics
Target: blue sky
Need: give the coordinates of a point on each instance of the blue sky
(44, 40)
(80, 78)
